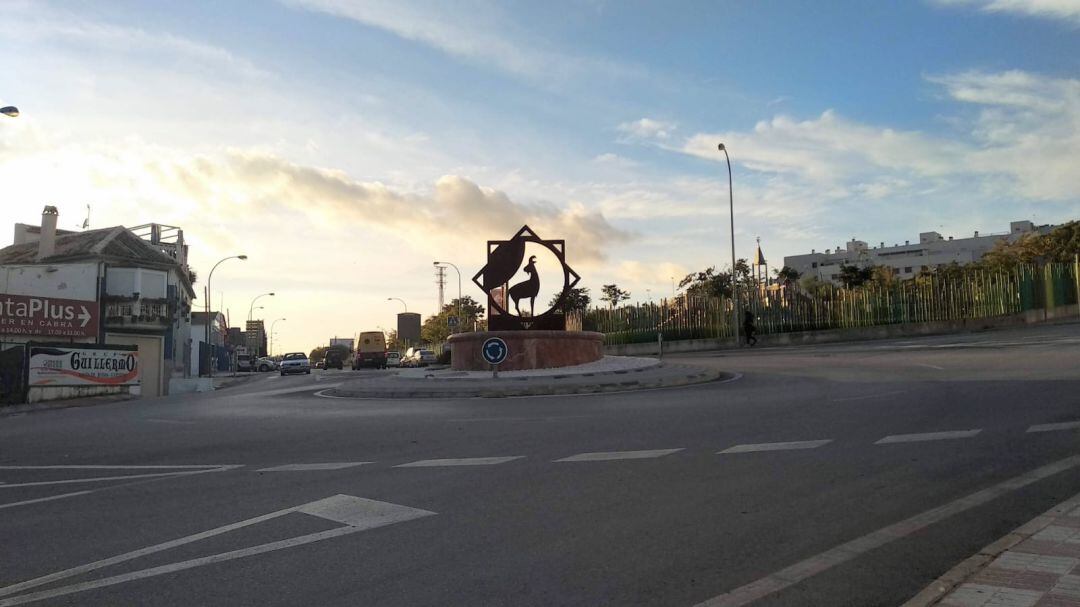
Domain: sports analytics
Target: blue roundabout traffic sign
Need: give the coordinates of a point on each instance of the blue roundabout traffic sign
(494, 350)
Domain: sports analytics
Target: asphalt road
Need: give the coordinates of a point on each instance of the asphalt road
(907, 457)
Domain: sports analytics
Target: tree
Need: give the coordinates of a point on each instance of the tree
(318, 354)
(613, 295)
(1059, 246)
(392, 339)
(883, 276)
(787, 275)
(816, 286)
(577, 300)
(853, 276)
(707, 283)
(436, 329)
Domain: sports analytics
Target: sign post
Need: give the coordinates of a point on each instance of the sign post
(494, 352)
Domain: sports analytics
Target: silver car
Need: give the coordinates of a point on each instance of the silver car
(295, 362)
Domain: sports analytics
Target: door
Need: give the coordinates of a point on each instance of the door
(151, 362)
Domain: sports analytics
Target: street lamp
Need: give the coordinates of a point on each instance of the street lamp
(10, 110)
(402, 302)
(272, 335)
(734, 281)
(210, 366)
(447, 263)
(252, 306)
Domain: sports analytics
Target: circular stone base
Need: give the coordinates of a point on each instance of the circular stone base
(528, 349)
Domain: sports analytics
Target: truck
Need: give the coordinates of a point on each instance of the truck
(370, 351)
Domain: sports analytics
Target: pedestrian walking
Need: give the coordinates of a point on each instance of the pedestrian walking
(748, 328)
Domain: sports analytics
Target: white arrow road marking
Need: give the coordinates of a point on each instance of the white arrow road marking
(356, 513)
(84, 316)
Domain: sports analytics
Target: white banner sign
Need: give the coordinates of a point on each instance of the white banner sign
(63, 366)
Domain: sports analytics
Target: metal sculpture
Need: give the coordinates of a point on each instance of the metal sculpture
(504, 261)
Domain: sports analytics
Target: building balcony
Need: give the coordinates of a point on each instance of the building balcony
(137, 314)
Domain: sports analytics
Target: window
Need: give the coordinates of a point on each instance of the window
(120, 281)
(152, 284)
(907, 270)
(813, 265)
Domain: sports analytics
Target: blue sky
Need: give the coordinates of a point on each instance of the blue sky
(345, 145)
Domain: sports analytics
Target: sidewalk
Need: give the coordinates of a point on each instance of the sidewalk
(610, 374)
(1037, 565)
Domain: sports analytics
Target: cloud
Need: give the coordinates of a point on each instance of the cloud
(1066, 10)
(647, 128)
(472, 31)
(457, 210)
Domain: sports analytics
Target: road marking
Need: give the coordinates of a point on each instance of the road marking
(930, 366)
(866, 396)
(155, 420)
(308, 467)
(101, 479)
(467, 461)
(43, 499)
(356, 513)
(927, 436)
(613, 455)
(824, 561)
(1052, 427)
(805, 444)
(107, 467)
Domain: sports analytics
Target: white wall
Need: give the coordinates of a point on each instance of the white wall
(69, 281)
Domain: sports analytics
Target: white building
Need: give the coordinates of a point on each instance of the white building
(136, 281)
(932, 251)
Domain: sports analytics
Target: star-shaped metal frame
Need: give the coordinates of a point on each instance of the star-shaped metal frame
(504, 258)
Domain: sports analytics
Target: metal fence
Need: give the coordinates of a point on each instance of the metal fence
(973, 295)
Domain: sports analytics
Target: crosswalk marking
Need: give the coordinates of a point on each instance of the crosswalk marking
(309, 467)
(927, 436)
(792, 445)
(1052, 427)
(613, 455)
(467, 461)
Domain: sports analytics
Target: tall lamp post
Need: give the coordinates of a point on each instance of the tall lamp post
(401, 300)
(272, 335)
(734, 279)
(10, 110)
(251, 308)
(209, 363)
(447, 263)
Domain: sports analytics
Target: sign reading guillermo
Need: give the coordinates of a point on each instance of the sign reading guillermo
(90, 366)
(513, 307)
(48, 316)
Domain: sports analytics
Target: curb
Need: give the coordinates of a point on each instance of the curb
(697, 375)
(52, 405)
(941, 587)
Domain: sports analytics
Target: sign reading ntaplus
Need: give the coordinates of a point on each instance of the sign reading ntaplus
(83, 366)
(48, 316)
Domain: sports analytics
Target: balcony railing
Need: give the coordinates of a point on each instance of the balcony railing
(138, 314)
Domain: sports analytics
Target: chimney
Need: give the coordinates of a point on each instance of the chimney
(47, 241)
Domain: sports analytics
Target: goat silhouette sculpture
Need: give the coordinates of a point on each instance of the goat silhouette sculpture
(527, 289)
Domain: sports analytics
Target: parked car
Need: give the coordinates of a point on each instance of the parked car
(425, 358)
(393, 359)
(263, 365)
(244, 362)
(295, 362)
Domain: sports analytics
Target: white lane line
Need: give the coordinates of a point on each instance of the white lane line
(613, 455)
(155, 420)
(867, 396)
(107, 467)
(927, 436)
(100, 479)
(467, 461)
(1052, 427)
(43, 499)
(309, 467)
(358, 514)
(930, 366)
(814, 565)
(752, 448)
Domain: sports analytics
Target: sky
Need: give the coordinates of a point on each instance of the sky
(345, 146)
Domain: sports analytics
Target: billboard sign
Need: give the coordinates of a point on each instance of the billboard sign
(48, 316)
(90, 366)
